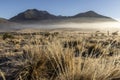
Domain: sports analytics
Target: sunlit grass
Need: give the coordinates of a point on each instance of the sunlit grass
(50, 59)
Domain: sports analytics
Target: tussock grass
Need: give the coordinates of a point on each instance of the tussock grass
(2, 75)
(53, 61)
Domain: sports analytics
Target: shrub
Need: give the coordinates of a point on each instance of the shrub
(7, 35)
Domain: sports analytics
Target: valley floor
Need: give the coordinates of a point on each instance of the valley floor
(60, 55)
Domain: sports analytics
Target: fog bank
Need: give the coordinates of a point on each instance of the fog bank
(103, 26)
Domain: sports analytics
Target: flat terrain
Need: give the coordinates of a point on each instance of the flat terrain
(60, 54)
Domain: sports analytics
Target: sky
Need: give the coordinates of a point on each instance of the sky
(111, 8)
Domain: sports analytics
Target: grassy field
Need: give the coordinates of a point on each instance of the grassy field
(60, 55)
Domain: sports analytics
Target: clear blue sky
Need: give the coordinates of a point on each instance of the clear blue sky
(9, 8)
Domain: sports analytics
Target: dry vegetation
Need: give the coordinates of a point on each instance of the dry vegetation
(63, 55)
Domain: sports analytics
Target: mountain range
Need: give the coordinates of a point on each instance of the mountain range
(37, 15)
(33, 16)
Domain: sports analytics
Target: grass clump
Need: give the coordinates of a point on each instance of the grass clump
(7, 36)
(61, 58)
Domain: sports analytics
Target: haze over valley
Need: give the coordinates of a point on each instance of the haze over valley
(37, 19)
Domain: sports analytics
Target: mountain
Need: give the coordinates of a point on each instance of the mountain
(2, 20)
(32, 14)
(7, 25)
(90, 14)
(33, 18)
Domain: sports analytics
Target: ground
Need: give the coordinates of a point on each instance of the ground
(59, 55)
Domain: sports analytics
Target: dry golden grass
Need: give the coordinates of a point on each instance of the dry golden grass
(48, 58)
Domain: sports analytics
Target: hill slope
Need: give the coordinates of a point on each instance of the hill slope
(2, 20)
(34, 15)
(33, 18)
(7, 25)
(90, 14)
